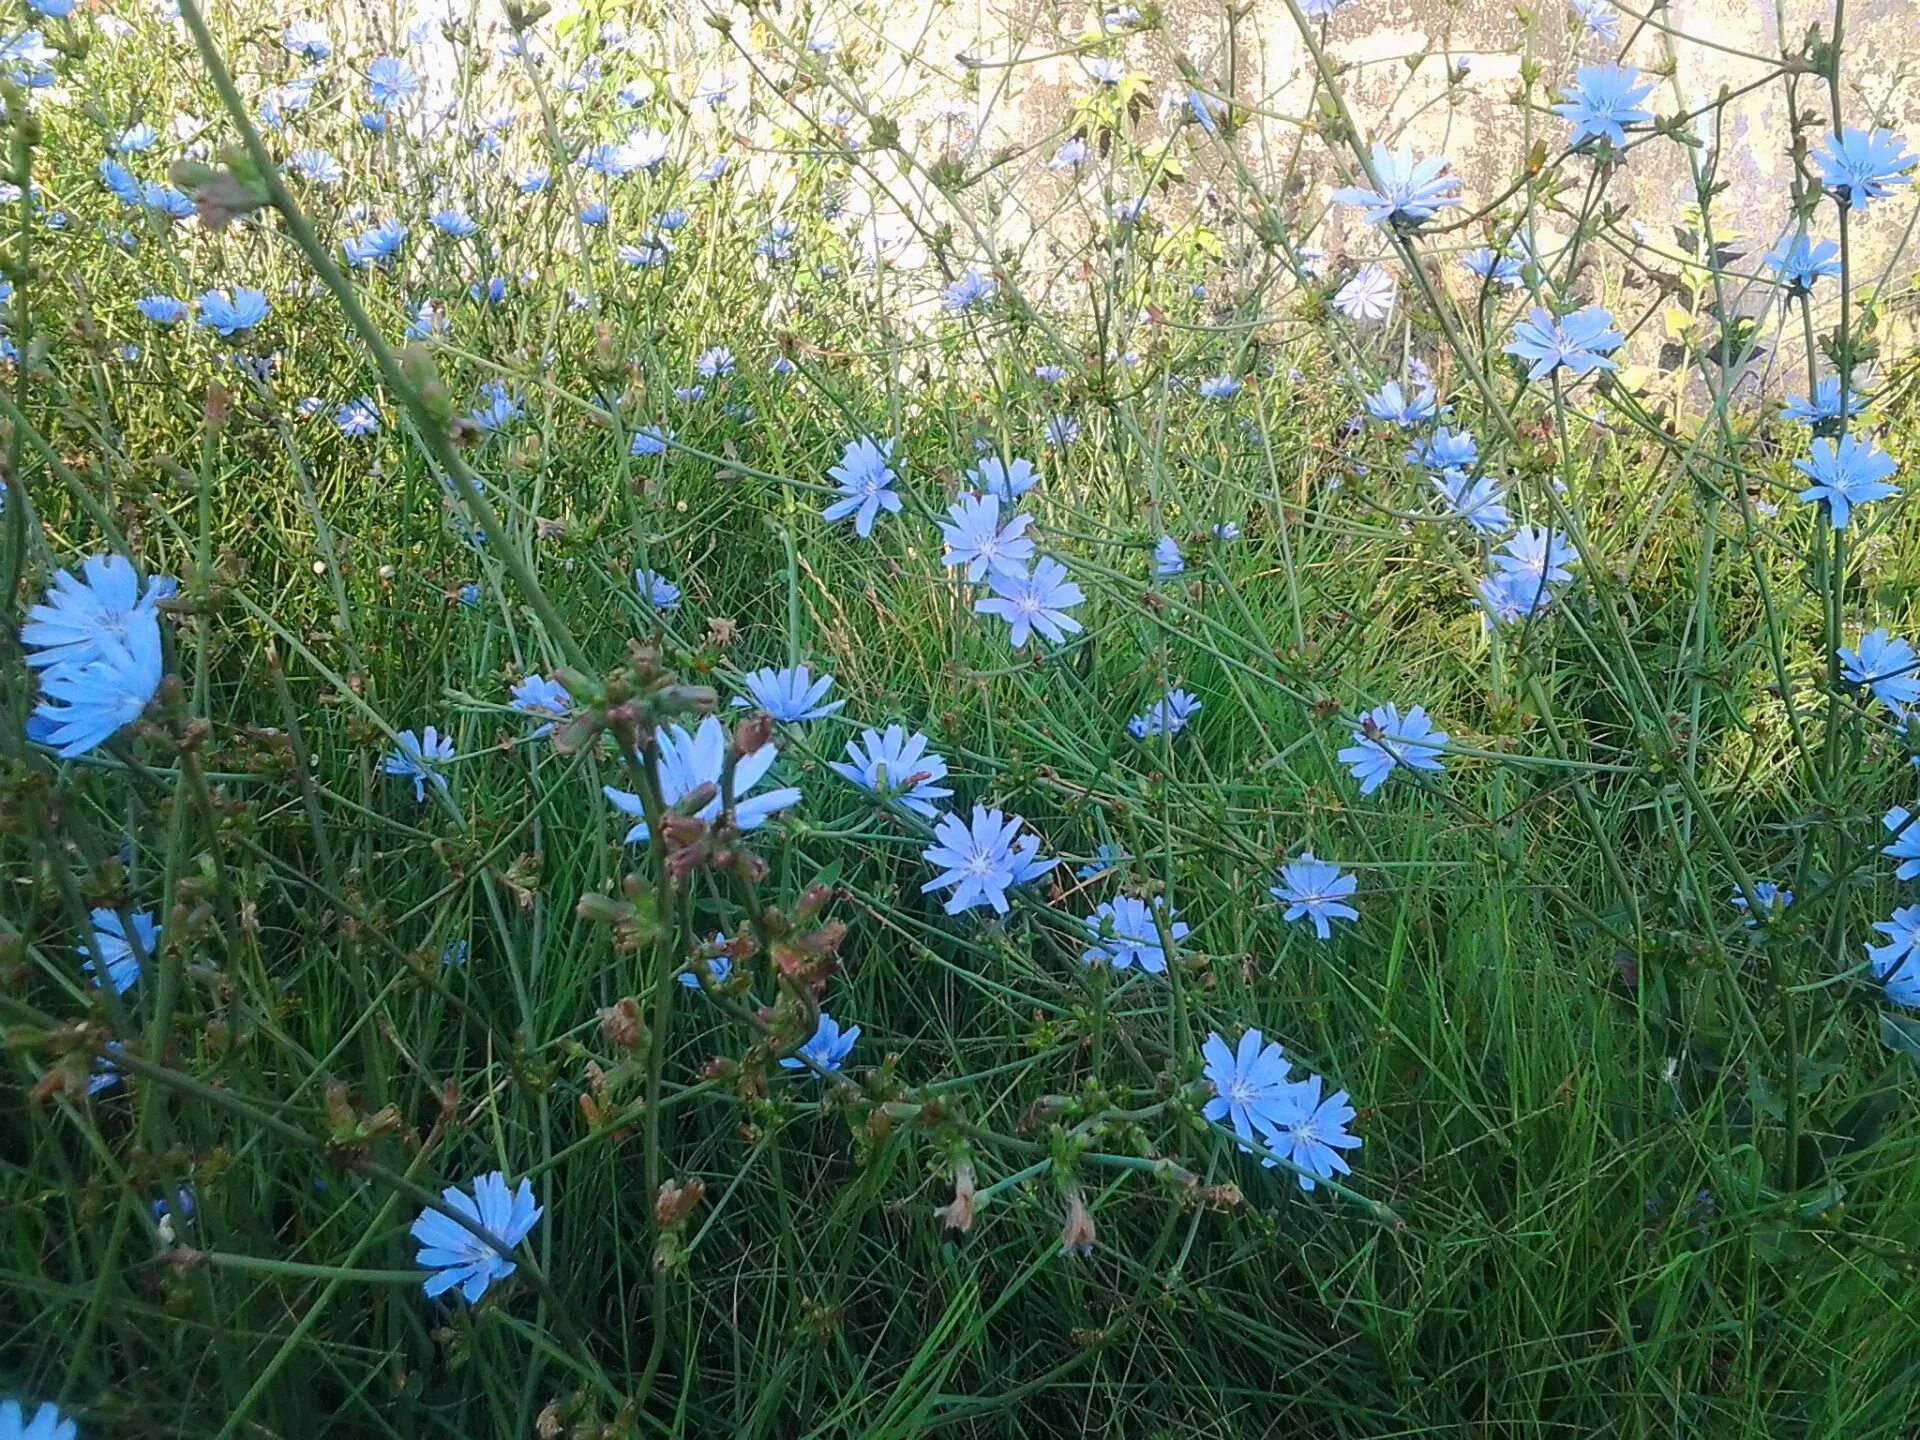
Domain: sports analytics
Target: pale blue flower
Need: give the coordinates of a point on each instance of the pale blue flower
(391, 82)
(1035, 602)
(656, 590)
(1071, 154)
(1106, 70)
(1061, 431)
(866, 478)
(120, 182)
(1824, 408)
(1166, 716)
(896, 766)
(1603, 101)
(980, 862)
(1581, 341)
(1906, 842)
(714, 363)
(46, 1423)
(429, 319)
(1800, 262)
(1252, 1090)
(307, 39)
(104, 1076)
(1411, 190)
(651, 440)
(1383, 741)
(497, 408)
(1167, 560)
(1311, 1132)
(90, 616)
(1886, 665)
(417, 758)
(790, 695)
(1598, 17)
(688, 762)
(1315, 890)
(232, 313)
(977, 540)
(1897, 963)
(164, 199)
(828, 1047)
(1773, 899)
(135, 138)
(1124, 932)
(454, 222)
(1206, 109)
(969, 290)
(377, 246)
(645, 149)
(162, 309)
(358, 417)
(777, 243)
(1858, 166)
(717, 968)
(1495, 267)
(1508, 599)
(1854, 473)
(1105, 858)
(1367, 296)
(1447, 452)
(1478, 500)
(317, 166)
(28, 60)
(455, 1254)
(538, 695)
(1219, 387)
(109, 949)
(1393, 405)
(1538, 555)
(1007, 480)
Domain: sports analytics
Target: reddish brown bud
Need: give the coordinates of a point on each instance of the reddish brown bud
(675, 1202)
(752, 733)
(621, 1024)
(680, 830)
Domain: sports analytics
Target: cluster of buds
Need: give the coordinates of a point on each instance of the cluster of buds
(225, 192)
(598, 1103)
(694, 843)
(351, 1133)
(673, 1206)
(803, 951)
(629, 703)
(634, 915)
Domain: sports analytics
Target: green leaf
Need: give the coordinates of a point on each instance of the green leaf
(1901, 1034)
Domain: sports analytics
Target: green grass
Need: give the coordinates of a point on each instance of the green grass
(1629, 1167)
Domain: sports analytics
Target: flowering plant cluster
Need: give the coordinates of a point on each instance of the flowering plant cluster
(976, 727)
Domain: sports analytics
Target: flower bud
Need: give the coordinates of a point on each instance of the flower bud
(621, 1024)
(675, 1202)
(752, 733)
